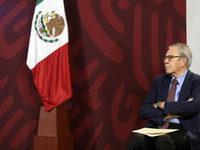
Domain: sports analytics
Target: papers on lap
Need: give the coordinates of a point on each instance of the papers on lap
(154, 132)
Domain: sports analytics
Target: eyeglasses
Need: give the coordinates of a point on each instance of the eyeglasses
(170, 57)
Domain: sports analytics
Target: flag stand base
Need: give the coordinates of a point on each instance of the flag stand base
(53, 130)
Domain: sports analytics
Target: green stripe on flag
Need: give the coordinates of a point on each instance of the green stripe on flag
(38, 2)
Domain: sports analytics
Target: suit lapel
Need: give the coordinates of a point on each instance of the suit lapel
(166, 86)
(185, 86)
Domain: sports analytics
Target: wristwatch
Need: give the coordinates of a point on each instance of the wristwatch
(158, 104)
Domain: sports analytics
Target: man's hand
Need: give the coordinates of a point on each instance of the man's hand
(190, 99)
(169, 116)
(155, 105)
(162, 104)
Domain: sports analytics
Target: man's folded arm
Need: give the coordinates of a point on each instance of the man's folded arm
(184, 108)
(148, 112)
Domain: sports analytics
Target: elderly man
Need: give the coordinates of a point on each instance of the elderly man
(174, 103)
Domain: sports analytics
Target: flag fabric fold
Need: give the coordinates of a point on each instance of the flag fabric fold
(48, 53)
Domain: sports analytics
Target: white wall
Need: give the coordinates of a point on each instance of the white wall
(193, 32)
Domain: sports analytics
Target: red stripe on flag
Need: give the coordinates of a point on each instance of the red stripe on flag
(53, 79)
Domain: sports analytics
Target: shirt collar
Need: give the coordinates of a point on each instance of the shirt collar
(181, 78)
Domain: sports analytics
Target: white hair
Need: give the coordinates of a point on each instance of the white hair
(185, 51)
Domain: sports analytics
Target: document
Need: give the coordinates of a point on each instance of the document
(154, 132)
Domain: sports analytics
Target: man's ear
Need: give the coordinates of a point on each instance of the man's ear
(184, 61)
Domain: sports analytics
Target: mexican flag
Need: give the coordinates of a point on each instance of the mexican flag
(48, 57)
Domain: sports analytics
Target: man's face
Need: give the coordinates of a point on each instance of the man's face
(173, 66)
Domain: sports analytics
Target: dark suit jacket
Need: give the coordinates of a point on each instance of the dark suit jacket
(189, 110)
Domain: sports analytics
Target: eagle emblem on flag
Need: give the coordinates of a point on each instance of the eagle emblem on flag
(49, 26)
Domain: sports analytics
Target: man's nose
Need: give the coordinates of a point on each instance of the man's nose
(166, 61)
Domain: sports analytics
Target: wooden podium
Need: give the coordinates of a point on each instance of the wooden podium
(53, 130)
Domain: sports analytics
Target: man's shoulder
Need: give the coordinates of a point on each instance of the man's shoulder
(162, 79)
(163, 76)
(193, 76)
